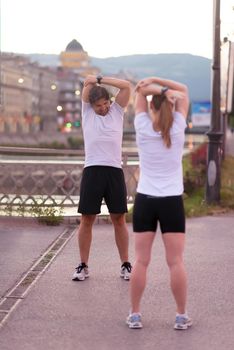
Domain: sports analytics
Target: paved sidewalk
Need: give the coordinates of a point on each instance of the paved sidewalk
(59, 314)
(22, 241)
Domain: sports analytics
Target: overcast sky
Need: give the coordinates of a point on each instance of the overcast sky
(112, 28)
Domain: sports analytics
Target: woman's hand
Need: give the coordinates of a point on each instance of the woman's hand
(143, 83)
(173, 95)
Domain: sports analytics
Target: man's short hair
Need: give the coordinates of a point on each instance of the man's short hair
(98, 92)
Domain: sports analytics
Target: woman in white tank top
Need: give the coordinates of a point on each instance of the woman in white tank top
(160, 126)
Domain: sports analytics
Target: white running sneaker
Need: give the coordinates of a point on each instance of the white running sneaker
(134, 321)
(182, 322)
(81, 272)
(125, 271)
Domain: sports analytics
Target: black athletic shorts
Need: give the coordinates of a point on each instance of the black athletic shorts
(102, 182)
(149, 210)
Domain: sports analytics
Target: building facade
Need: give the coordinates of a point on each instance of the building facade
(27, 99)
(36, 99)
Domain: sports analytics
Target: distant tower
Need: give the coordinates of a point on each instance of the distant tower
(74, 67)
(76, 59)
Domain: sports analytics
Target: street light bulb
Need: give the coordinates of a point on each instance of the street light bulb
(77, 92)
(59, 108)
(20, 80)
(53, 87)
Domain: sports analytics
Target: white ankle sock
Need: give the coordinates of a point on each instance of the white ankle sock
(182, 315)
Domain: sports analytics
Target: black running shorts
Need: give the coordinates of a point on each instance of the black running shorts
(102, 182)
(167, 211)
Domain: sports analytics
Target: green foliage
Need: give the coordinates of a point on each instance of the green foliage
(194, 165)
(49, 215)
(194, 201)
(75, 142)
(231, 121)
(45, 214)
(227, 183)
(54, 144)
(128, 215)
(8, 209)
(21, 209)
(195, 205)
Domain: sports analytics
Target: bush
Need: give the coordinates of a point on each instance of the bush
(75, 142)
(195, 169)
(49, 215)
(199, 156)
(128, 215)
(53, 144)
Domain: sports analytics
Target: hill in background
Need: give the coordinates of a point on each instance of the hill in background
(194, 71)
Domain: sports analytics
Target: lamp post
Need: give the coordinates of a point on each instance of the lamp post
(213, 181)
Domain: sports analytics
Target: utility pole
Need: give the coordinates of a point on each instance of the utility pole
(213, 181)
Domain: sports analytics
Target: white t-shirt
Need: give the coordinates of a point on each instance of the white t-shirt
(103, 135)
(161, 172)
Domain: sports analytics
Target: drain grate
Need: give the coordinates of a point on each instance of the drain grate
(18, 292)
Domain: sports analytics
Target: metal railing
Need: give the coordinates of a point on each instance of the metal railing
(51, 175)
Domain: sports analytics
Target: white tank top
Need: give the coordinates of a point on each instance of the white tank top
(161, 172)
(103, 135)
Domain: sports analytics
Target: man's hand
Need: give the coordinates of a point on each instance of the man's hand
(89, 82)
(91, 79)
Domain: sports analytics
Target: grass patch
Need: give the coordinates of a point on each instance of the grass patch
(194, 202)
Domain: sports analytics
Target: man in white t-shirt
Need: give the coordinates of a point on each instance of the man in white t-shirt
(103, 178)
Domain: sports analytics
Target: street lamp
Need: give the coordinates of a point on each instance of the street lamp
(213, 182)
(53, 87)
(20, 80)
(59, 108)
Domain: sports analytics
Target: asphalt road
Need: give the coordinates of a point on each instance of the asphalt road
(60, 314)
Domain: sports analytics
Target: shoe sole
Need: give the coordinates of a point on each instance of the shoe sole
(182, 328)
(126, 278)
(79, 279)
(134, 326)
